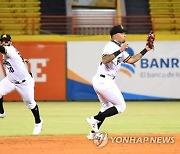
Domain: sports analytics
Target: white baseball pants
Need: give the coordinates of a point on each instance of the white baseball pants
(25, 89)
(108, 93)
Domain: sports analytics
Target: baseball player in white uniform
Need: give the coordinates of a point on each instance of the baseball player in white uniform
(17, 78)
(113, 54)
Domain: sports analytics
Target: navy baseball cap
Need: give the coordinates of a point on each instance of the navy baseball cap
(117, 29)
(5, 37)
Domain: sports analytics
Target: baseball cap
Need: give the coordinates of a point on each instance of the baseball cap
(5, 37)
(117, 29)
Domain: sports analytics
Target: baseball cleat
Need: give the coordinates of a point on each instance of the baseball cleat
(91, 135)
(38, 128)
(2, 115)
(93, 123)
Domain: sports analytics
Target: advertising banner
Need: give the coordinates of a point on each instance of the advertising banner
(47, 62)
(155, 77)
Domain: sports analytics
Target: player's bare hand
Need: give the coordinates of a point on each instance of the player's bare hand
(26, 60)
(124, 46)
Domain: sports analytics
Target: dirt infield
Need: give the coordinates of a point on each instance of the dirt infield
(78, 144)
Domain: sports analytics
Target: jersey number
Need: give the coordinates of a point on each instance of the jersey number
(9, 66)
(11, 70)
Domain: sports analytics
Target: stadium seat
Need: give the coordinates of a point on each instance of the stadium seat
(19, 4)
(165, 15)
(20, 16)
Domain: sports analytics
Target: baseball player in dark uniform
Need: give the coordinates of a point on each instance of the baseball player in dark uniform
(17, 78)
(113, 54)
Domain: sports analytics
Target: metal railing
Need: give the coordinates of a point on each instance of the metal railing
(92, 25)
(86, 25)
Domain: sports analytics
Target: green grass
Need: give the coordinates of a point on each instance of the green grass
(64, 118)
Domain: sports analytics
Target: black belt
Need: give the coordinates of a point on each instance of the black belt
(19, 82)
(101, 75)
(104, 76)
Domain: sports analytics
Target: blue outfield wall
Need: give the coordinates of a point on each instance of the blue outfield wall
(77, 91)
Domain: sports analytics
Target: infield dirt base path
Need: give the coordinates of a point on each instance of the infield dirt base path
(78, 144)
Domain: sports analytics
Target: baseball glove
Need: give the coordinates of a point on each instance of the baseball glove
(150, 40)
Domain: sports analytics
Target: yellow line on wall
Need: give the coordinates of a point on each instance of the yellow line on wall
(64, 38)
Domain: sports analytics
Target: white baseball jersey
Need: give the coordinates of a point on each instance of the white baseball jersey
(18, 77)
(112, 67)
(103, 82)
(14, 65)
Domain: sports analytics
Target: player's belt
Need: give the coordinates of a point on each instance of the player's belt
(19, 82)
(106, 76)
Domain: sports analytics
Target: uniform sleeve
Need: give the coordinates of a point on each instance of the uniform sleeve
(109, 48)
(105, 51)
(2, 49)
